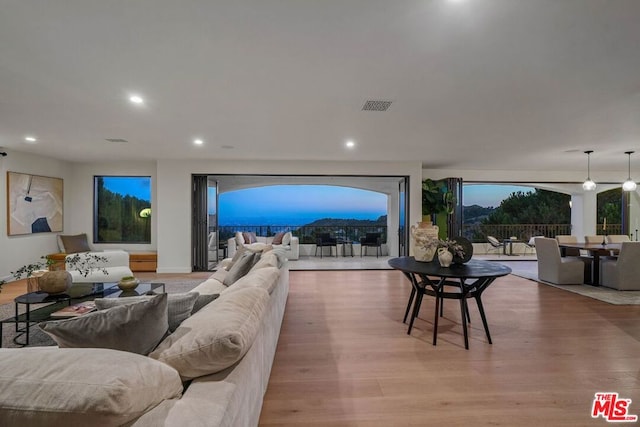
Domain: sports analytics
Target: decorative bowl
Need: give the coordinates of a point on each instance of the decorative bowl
(128, 283)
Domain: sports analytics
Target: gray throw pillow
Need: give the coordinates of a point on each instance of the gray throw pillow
(240, 251)
(239, 269)
(137, 327)
(179, 306)
(75, 244)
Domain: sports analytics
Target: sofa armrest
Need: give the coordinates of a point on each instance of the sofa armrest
(113, 258)
(231, 247)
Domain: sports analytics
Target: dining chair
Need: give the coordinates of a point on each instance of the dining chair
(617, 238)
(568, 240)
(371, 240)
(622, 273)
(553, 268)
(495, 245)
(325, 240)
(594, 240)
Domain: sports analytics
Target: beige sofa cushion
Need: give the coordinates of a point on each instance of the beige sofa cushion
(265, 278)
(136, 327)
(268, 259)
(80, 386)
(217, 336)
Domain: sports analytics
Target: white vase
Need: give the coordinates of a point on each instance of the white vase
(445, 257)
(425, 241)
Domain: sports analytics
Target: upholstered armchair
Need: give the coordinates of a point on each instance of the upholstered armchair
(553, 268)
(622, 273)
(371, 240)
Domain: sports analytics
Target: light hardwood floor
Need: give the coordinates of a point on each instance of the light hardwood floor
(344, 358)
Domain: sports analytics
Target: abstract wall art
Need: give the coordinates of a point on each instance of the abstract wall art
(34, 204)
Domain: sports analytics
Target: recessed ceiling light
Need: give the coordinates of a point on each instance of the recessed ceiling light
(198, 141)
(136, 99)
(350, 143)
(227, 147)
(30, 139)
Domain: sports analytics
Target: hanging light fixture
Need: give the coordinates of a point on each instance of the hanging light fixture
(588, 185)
(629, 184)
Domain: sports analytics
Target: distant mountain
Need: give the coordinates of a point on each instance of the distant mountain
(474, 214)
(342, 222)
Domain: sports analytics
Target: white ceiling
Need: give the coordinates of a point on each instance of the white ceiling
(475, 84)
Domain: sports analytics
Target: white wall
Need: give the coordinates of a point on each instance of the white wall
(17, 251)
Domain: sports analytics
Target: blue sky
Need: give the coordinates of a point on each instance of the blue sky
(138, 186)
(302, 202)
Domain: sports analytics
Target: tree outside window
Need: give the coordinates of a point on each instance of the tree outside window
(122, 209)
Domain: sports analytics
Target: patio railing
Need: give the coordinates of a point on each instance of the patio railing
(306, 234)
(477, 233)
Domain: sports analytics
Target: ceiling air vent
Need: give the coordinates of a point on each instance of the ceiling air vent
(376, 105)
(116, 140)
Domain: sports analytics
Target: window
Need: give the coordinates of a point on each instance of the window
(122, 209)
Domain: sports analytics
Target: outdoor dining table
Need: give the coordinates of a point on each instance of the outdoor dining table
(462, 281)
(596, 250)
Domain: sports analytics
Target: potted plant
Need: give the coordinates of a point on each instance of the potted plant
(437, 202)
(57, 281)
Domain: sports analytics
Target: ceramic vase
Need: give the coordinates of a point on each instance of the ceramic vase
(55, 282)
(445, 257)
(425, 241)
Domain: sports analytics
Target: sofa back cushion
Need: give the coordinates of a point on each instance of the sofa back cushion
(80, 386)
(217, 336)
(265, 278)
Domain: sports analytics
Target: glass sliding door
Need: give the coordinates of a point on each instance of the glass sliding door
(403, 206)
(213, 236)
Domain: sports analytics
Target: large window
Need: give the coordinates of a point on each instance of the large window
(122, 209)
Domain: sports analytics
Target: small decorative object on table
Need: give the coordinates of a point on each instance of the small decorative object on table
(462, 257)
(55, 282)
(457, 249)
(445, 258)
(128, 283)
(425, 241)
(75, 310)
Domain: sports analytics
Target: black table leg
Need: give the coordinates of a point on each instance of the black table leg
(463, 311)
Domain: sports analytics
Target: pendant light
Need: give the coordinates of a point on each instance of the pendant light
(588, 185)
(629, 184)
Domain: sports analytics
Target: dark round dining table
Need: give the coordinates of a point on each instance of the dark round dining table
(459, 281)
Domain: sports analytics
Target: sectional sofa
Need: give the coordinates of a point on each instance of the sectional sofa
(212, 370)
(284, 241)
